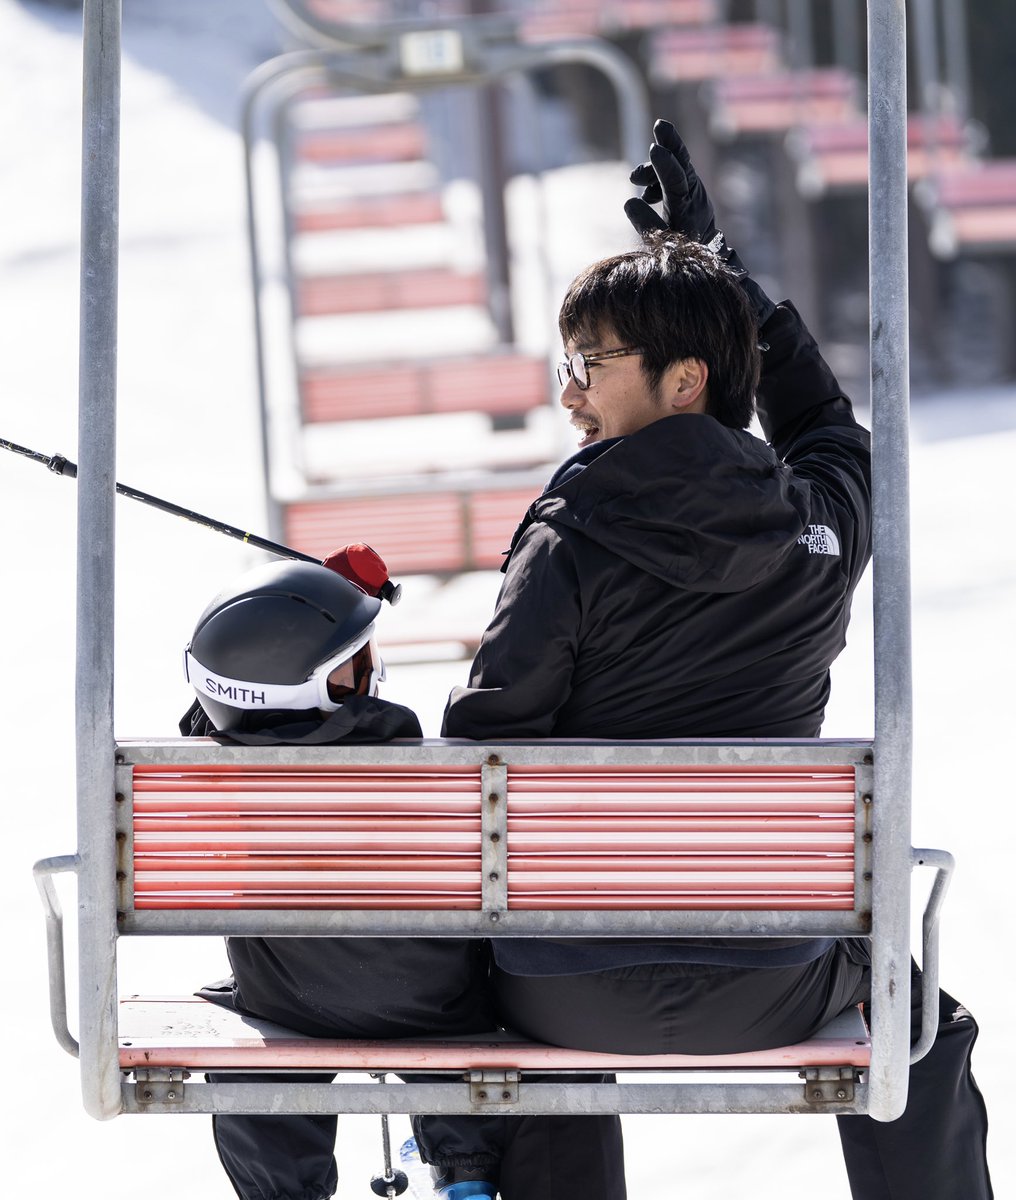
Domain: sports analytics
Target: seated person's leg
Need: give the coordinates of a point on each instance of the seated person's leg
(340, 988)
(364, 987)
(276, 1157)
(529, 1158)
(681, 1008)
(553, 1158)
(936, 1149)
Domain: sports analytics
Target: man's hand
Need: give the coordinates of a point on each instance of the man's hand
(670, 178)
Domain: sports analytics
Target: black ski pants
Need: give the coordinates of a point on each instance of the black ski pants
(339, 988)
(935, 1150)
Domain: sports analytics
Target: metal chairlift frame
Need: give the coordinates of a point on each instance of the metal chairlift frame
(95, 860)
(478, 53)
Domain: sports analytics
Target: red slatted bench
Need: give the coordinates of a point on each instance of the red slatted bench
(175, 1032)
(500, 385)
(972, 207)
(774, 103)
(432, 838)
(559, 21)
(562, 19)
(546, 18)
(440, 532)
(389, 142)
(345, 12)
(324, 214)
(835, 157)
(647, 14)
(579, 835)
(695, 55)
(659, 838)
(382, 291)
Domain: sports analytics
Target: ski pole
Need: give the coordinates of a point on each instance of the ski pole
(385, 589)
(63, 466)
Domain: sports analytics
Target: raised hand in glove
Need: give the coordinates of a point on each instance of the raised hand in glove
(669, 179)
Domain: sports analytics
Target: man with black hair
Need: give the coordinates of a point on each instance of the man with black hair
(680, 578)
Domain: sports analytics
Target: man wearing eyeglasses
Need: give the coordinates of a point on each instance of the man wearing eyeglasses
(680, 577)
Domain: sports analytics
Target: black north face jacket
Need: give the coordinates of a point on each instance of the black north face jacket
(687, 580)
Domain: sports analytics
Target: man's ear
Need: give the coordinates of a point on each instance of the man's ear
(684, 386)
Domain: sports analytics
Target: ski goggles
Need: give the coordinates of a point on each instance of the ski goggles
(576, 366)
(355, 670)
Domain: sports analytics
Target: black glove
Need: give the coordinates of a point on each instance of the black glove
(669, 178)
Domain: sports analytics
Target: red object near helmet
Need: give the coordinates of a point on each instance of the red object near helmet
(365, 568)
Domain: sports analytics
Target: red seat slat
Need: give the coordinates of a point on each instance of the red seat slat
(190, 1032)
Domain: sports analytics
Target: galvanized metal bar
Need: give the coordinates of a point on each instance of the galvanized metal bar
(512, 923)
(956, 40)
(802, 34)
(887, 248)
(864, 785)
(926, 54)
(44, 870)
(632, 101)
(437, 752)
(303, 69)
(124, 820)
(454, 1097)
(95, 555)
(944, 863)
(847, 35)
(494, 840)
(769, 12)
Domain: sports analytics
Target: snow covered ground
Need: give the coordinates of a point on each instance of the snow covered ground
(187, 431)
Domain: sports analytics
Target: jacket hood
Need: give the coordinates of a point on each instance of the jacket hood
(686, 499)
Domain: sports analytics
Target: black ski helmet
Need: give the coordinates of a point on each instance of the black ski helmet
(271, 639)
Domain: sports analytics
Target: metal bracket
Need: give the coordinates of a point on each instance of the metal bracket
(829, 1085)
(494, 833)
(160, 1087)
(494, 1087)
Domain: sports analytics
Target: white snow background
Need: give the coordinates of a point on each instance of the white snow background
(188, 431)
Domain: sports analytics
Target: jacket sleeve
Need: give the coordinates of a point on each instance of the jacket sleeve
(522, 673)
(810, 423)
(796, 380)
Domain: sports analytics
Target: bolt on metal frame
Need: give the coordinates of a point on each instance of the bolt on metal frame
(95, 860)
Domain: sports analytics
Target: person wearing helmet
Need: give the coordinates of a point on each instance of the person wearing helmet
(286, 654)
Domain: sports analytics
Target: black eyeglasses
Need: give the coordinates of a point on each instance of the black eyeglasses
(576, 366)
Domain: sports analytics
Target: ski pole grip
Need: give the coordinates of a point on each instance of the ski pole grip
(63, 466)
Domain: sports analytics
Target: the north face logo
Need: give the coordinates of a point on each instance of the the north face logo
(820, 539)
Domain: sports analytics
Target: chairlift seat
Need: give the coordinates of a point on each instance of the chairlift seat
(834, 157)
(747, 104)
(437, 531)
(374, 143)
(450, 838)
(971, 208)
(694, 55)
(194, 1034)
(499, 385)
(326, 214)
(382, 291)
